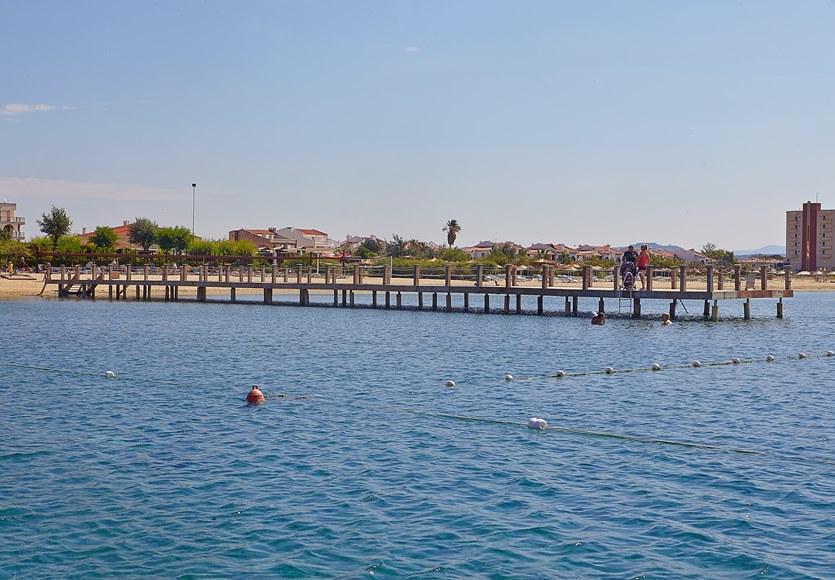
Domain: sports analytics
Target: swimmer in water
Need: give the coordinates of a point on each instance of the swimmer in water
(598, 318)
(666, 320)
(255, 396)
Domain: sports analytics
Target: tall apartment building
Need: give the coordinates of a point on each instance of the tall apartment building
(810, 238)
(9, 223)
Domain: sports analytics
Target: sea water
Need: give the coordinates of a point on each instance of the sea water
(363, 462)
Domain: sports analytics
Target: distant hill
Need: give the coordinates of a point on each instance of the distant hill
(765, 251)
(683, 254)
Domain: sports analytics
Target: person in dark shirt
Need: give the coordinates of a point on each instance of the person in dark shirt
(630, 255)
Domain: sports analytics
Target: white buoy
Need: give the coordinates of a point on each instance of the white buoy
(802, 355)
(736, 361)
(559, 374)
(537, 423)
(609, 370)
(656, 367)
(450, 384)
(697, 363)
(508, 377)
(830, 353)
(110, 375)
(769, 358)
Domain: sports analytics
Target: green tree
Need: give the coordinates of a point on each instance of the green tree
(69, 245)
(104, 238)
(722, 257)
(396, 248)
(143, 232)
(452, 228)
(175, 238)
(54, 224)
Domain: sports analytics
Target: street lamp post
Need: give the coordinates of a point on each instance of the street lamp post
(193, 197)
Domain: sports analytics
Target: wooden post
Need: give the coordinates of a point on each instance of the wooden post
(232, 294)
(286, 274)
(479, 276)
(714, 312)
(388, 299)
(434, 301)
(780, 308)
(586, 277)
(507, 303)
(374, 298)
(448, 275)
(709, 282)
(544, 277)
(788, 278)
(540, 304)
(720, 279)
(575, 305)
(486, 303)
(601, 306)
(737, 277)
(420, 300)
(268, 295)
(706, 312)
(673, 309)
(682, 272)
(416, 276)
(763, 278)
(399, 301)
(335, 297)
(636, 308)
(240, 273)
(344, 298)
(273, 274)
(310, 274)
(746, 309)
(650, 274)
(508, 275)
(513, 273)
(249, 274)
(673, 280)
(449, 302)
(466, 301)
(387, 275)
(518, 304)
(299, 274)
(567, 305)
(351, 297)
(615, 278)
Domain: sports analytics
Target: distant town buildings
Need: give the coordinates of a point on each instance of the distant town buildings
(809, 238)
(310, 241)
(266, 241)
(122, 236)
(11, 224)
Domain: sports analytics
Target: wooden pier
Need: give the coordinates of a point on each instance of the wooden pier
(714, 286)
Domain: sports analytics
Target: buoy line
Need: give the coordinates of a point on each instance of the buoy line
(655, 367)
(112, 375)
(586, 432)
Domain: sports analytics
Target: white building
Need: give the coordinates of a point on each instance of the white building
(9, 223)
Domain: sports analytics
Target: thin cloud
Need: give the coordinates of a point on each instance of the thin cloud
(60, 189)
(17, 109)
(411, 49)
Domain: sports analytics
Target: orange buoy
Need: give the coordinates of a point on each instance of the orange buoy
(255, 396)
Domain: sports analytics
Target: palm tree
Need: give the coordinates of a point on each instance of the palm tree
(452, 228)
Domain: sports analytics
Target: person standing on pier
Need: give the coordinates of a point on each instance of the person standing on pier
(643, 264)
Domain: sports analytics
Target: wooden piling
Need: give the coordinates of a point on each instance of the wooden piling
(434, 301)
(479, 276)
(449, 302)
(746, 309)
(709, 282)
(714, 313)
(399, 301)
(673, 310)
(507, 303)
(420, 300)
(518, 304)
(682, 273)
(540, 304)
(486, 303)
(737, 277)
(780, 308)
(388, 299)
(575, 305)
(636, 308)
(788, 281)
(232, 294)
(601, 306)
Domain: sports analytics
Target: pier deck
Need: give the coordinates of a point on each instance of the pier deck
(709, 288)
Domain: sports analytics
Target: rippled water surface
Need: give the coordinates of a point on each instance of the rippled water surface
(363, 463)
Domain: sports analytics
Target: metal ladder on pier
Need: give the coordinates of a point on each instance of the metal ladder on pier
(625, 301)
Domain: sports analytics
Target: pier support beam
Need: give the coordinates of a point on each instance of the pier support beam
(335, 298)
(507, 303)
(449, 302)
(486, 303)
(344, 298)
(434, 301)
(636, 308)
(540, 304)
(518, 304)
(233, 294)
(399, 301)
(567, 305)
(673, 309)
(706, 312)
(601, 306)
(374, 298)
(746, 309)
(780, 308)
(466, 302)
(351, 297)
(575, 305)
(420, 300)
(714, 311)
(268, 295)
(388, 299)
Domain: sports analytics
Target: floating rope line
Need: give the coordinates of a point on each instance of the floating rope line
(560, 374)
(589, 433)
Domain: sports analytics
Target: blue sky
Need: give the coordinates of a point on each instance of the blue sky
(533, 121)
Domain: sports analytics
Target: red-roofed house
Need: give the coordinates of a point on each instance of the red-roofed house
(309, 240)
